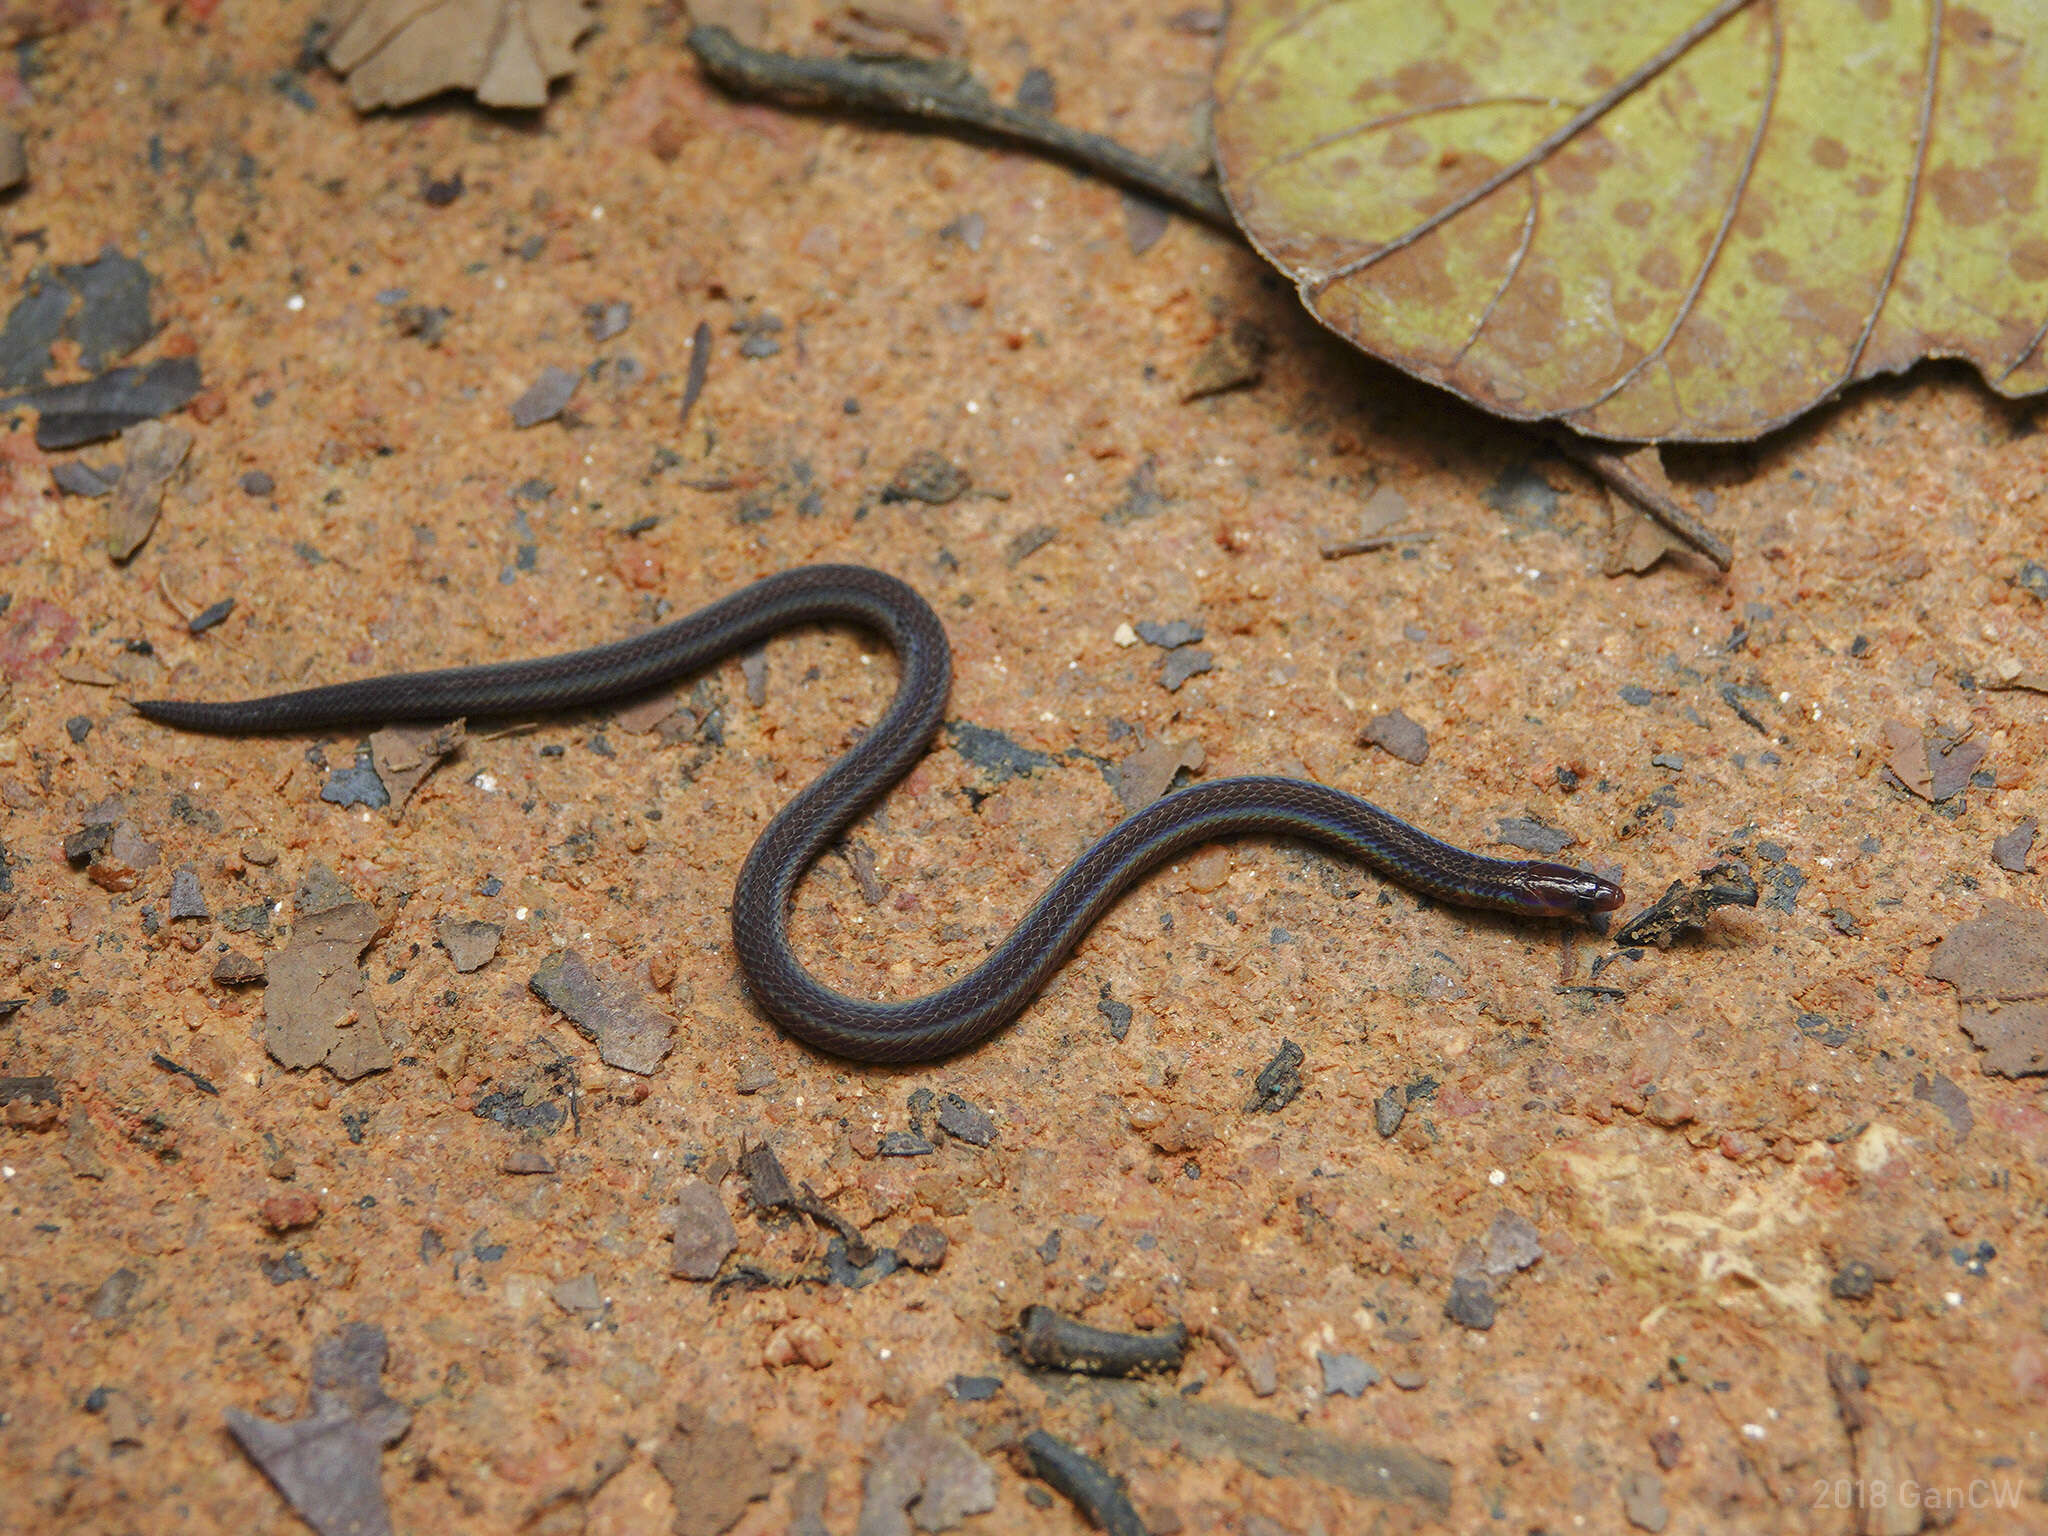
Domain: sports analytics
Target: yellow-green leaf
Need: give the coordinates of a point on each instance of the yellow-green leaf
(1650, 219)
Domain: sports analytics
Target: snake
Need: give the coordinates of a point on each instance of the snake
(988, 997)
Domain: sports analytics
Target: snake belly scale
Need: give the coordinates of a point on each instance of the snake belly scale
(969, 1009)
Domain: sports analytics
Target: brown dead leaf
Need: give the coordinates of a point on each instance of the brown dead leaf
(405, 754)
(715, 1470)
(1147, 773)
(317, 1009)
(1998, 964)
(328, 1463)
(154, 453)
(1636, 542)
(395, 52)
(631, 1033)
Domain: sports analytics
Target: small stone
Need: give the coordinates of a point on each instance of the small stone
(187, 900)
(1854, 1281)
(970, 229)
(209, 617)
(235, 969)
(1389, 1110)
(904, 1144)
(527, 1160)
(114, 1296)
(705, 1235)
(546, 397)
(88, 840)
(1035, 92)
(1279, 1082)
(1178, 666)
(1512, 1243)
(1118, 1015)
(257, 483)
(1170, 636)
(1345, 1373)
(1184, 1133)
(930, 477)
(75, 477)
(259, 853)
(755, 1079)
(1408, 1380)
(1642, 1500)
(964, 1121)
(922, 1246)
(1261, 1373)
(2009, 852)
(1471, 1303)
(577, 1295)
(1667, 1445)
(296, 1208)
(604, 321)
(470, 945)
(1125, 636)
(801, 1341)
(1397, 735)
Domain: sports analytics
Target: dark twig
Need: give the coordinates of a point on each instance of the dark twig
(1613, 470)
(1338, 549)
(700, 369)
(1084, 1480)
(1046, 1338)
(944, 92)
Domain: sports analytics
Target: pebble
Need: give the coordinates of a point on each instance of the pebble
(922, 1246)
(545, 398)
(1471, 1303)
(296, 1208)
(1346, 1374)
(1389, 1110)
(705, 1235)
(964, 1121)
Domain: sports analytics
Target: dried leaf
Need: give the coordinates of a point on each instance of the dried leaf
(405, 754)
(715, 1470)
(154, 453)
(1651, 219)
(327, 1463)
(631, 1033)
(1147, 773)
(317, 1010)
(1998, 964)
(395, 52)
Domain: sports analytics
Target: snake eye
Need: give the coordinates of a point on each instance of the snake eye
(1558, 890)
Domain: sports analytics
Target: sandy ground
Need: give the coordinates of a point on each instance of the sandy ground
(1679, 1180)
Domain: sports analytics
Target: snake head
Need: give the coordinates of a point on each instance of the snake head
(1558, 890)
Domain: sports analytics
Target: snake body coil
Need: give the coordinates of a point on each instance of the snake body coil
(998, 989)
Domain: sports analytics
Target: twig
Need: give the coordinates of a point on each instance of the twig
(700, 369)
(1614, 470)
(944, 92)
(1084, 1480)
(1337, 549)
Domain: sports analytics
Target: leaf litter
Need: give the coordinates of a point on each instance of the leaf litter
(1648, 219)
